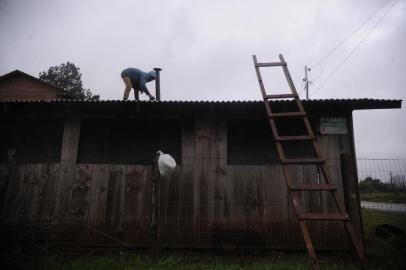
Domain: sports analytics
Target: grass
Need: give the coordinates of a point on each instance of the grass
(386, 197)
(386, 253)
(188, 262)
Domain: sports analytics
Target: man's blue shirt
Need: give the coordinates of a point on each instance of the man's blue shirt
(138, 78)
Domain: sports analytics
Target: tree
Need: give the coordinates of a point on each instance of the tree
(371, 185)
(399, 182)
(68, 77)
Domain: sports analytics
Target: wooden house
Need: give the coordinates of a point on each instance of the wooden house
(79, 173)
(18, 85)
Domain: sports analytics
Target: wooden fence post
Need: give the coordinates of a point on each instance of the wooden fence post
(351, 194)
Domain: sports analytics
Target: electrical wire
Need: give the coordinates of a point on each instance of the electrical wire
(318, 63)
(355, 48)
(352, 33)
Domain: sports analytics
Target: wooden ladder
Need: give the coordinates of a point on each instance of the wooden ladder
(293, 188)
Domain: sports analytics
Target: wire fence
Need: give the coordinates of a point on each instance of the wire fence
(382, 184)
(238, 211)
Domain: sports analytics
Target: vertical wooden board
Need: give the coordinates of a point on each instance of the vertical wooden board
(219, 164)
(230, 204)
(186, 212)
(331, 148)
(24, 195)
(312, 199)
(38, 182)
(201, 197)
(162, 216)
(70, 144)
(253, 197)
(136, 217)
(70, 139)
(146, 195)
(188, 141)
(312, 203)
(14, 202)
(266, 184)
(6, 175)
(203, 138)
(170, 207)
(216, 171)
(115, 198)
(296, 171)
(199, 176)
(81, 193)
(278, 197)
(220, 197)
(66, 178)
(132, 193)
(219, 150)
(344, 148)
(49, 192)
(98, 196)
(31, 191)
(238, 197)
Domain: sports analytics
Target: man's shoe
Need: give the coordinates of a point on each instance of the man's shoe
(151, 98)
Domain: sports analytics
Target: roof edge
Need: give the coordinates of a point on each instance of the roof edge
(352, 104)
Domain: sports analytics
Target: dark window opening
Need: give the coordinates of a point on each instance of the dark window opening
(250, 142)
(31, 140)
(298, 149)
(290, 126)
(128, 141)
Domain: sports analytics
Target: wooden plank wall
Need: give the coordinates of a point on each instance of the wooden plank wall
(205, 203)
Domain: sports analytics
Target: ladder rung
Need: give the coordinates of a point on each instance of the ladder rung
(310, 187)
(323, 216)
(296, 138)
(288, 114)
(302, 160)
(271, 64)
(281, 96)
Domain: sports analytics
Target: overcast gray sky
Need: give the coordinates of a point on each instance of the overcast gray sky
(205, 49)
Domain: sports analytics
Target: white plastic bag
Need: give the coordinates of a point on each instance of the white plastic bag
(166, 164)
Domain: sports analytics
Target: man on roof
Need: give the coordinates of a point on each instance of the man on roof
(137, 79)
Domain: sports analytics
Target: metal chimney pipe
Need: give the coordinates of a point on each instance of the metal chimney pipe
(157, 84)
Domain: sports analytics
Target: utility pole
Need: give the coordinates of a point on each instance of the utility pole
(307, 82)
(392, 184)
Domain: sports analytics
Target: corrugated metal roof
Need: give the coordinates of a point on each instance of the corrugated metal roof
(356, 104)
(203, 101)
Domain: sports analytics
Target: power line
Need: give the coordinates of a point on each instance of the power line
(355, 48)
(352, 33)
(318, 63)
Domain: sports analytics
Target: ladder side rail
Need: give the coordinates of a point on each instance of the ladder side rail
(288, 77)
(261, 84)
(271, 121)
(356, 243)
(267, 105)
(293, 90)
